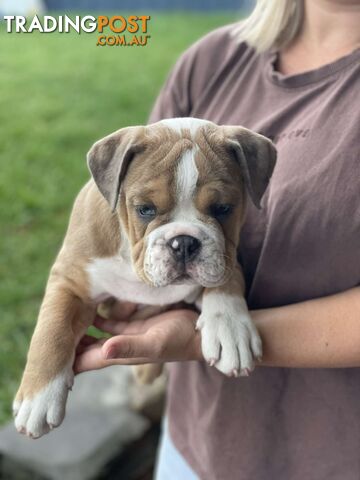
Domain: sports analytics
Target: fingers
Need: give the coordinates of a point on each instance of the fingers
(117, 321)
(88, 343)
(110, 325)
(93, 359)
(87, 340)
(131, 346)
(122, 310)
(116, 310)
(93, 354)
(168, 336)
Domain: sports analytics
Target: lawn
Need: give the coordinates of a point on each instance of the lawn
(59, 93)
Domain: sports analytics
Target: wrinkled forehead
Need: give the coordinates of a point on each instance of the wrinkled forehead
(180, 158)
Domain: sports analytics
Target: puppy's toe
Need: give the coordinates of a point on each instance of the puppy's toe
(199, 323)
(16, 407)
(55, 414)
(210, 344)
(245, 355)
(24, 410)
(36, 425)
(229, 362)
(256, 345)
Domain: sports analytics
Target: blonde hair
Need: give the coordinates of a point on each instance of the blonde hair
(272, 24)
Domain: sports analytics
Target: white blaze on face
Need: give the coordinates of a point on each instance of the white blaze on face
(208, 267)
(187, 176)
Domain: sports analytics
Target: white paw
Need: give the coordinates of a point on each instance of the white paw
(230, 342)
(36, 415)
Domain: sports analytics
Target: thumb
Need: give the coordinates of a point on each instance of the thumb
(129, 346)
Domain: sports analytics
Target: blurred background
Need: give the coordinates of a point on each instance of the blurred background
(58, 94)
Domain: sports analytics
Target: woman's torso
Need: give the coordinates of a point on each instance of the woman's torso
(304, 243)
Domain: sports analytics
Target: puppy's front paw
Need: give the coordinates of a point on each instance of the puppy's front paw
(37, 413)
(230, 342)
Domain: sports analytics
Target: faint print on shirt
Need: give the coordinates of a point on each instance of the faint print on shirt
(297, 133)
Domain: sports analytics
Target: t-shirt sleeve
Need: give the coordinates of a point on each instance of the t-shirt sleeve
(174, 99)
(190, 75)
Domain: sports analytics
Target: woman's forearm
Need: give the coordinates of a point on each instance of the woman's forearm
(321, 333)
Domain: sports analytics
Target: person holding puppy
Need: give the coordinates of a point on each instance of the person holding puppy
(290, 72)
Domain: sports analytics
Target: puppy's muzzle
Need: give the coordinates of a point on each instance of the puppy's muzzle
(184, 248)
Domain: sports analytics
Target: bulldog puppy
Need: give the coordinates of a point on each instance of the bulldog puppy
(157, 224)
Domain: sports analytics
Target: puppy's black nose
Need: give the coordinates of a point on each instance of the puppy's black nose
(184, 247)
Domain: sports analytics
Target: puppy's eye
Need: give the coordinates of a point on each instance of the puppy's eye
(147, 212)
(220, 210)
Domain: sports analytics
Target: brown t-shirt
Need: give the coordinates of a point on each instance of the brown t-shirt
(281, 424)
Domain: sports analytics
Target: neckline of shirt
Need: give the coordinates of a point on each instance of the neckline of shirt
(307, 77)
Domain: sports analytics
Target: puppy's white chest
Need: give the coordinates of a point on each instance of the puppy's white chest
(116, 278)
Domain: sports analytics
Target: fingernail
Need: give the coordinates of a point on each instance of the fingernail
(110, 353)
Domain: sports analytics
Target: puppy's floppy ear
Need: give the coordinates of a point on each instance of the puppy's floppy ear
(256, 156)
(109, 158)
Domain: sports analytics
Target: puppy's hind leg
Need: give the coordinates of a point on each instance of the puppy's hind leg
(40, 402)
(147, 373)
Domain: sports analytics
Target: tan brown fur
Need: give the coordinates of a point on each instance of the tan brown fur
(219, 181)
(67, 309)
(96, 232)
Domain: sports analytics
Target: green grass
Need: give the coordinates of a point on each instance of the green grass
(59, 93)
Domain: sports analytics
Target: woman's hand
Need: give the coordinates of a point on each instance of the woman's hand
(168, 337)
(319, 333)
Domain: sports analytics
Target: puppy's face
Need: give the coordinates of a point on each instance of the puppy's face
(182, 195)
